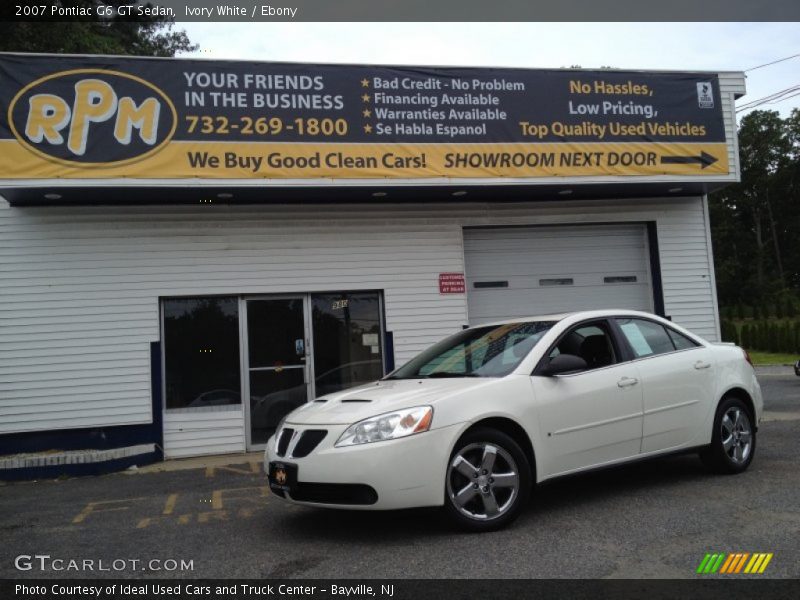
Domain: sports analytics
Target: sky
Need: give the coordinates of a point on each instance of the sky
(671, 46)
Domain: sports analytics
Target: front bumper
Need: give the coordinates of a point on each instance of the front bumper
(404, 473)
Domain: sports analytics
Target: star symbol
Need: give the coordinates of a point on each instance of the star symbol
(365, 82)
(367, 112)
(365, 98)
(367, 128)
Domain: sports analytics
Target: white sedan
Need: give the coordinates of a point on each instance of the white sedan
(474, 421)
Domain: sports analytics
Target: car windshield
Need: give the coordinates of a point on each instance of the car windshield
(490, 351)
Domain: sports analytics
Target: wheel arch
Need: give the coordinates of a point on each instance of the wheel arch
(744, 395)
(512, 429)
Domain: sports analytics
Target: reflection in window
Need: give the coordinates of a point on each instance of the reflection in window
(489, 351)
(348, 349)
(201, 352)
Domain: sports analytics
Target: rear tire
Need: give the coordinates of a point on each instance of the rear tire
(487, 482)
(733, 439)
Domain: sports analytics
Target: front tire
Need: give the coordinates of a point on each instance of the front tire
(488, 481)
(733, 440)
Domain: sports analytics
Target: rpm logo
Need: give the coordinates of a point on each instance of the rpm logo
(92, 117)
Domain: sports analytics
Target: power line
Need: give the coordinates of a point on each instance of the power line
(797, 93)
(774, 62)
(775, 96)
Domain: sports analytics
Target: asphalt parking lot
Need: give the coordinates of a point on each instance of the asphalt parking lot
(653, 519)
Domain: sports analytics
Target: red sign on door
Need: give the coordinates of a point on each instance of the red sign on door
(452, 283)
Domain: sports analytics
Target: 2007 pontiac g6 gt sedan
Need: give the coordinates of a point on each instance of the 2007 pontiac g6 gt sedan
(476, 420)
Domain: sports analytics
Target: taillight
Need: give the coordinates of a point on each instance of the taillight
(747, 358)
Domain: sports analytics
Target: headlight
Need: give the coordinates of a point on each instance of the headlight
(388, 426)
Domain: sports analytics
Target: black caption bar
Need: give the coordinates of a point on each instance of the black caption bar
(383, 589)
(409, 10)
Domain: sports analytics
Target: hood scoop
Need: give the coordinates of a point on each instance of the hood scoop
(354, 400)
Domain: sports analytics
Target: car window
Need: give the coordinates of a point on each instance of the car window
(592, 342)
(489, 351)
(681, 341)
(646, 338)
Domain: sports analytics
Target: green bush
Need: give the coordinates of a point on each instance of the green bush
(744, 336)
(785, 337)
(797, 337)
(729, 333)
(791, 309)
(739, 311)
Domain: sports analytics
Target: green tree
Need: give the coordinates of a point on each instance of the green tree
(756, 222)
(135, 35)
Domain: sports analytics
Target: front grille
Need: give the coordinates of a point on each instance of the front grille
(283, 441)
(334, 493)
(309, 439)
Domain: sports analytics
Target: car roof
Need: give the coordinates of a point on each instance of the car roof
(573, 316)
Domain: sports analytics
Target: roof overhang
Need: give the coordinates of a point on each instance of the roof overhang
(56, 193)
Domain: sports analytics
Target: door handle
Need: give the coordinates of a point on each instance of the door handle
(627, 382)
(701, 365)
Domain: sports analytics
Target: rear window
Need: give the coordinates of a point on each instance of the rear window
(681, 341)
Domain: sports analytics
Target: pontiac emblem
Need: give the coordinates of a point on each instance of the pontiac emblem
(280, 476)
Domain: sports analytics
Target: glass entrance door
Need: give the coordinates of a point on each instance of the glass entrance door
(348, 345)
(278, 372)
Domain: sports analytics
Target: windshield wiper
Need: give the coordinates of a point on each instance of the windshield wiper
(448, 374)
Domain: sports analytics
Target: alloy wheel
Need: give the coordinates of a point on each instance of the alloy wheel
(736, 435)
(483, 481)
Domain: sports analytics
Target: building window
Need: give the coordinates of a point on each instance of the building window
(348, 349)
(201, 352)
(557, 281)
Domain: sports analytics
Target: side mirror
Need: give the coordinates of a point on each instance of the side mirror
(564, 363)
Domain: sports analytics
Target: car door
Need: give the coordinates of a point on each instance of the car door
(677, 377)
(593, 416)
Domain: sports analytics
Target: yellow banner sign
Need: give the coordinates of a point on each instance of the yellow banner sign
(73, 117)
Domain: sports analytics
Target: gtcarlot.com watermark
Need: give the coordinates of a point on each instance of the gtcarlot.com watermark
(48, 563)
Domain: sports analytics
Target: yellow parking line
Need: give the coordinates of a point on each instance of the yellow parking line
(93, 507)
(170, 505)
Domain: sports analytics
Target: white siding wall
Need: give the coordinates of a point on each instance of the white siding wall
(79, 286)
(196, 433)
(731, 85)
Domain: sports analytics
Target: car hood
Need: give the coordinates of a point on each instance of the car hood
(352, 405)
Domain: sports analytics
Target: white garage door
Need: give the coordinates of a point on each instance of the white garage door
(522, 271)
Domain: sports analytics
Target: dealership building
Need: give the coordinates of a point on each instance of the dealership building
(189, 249)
